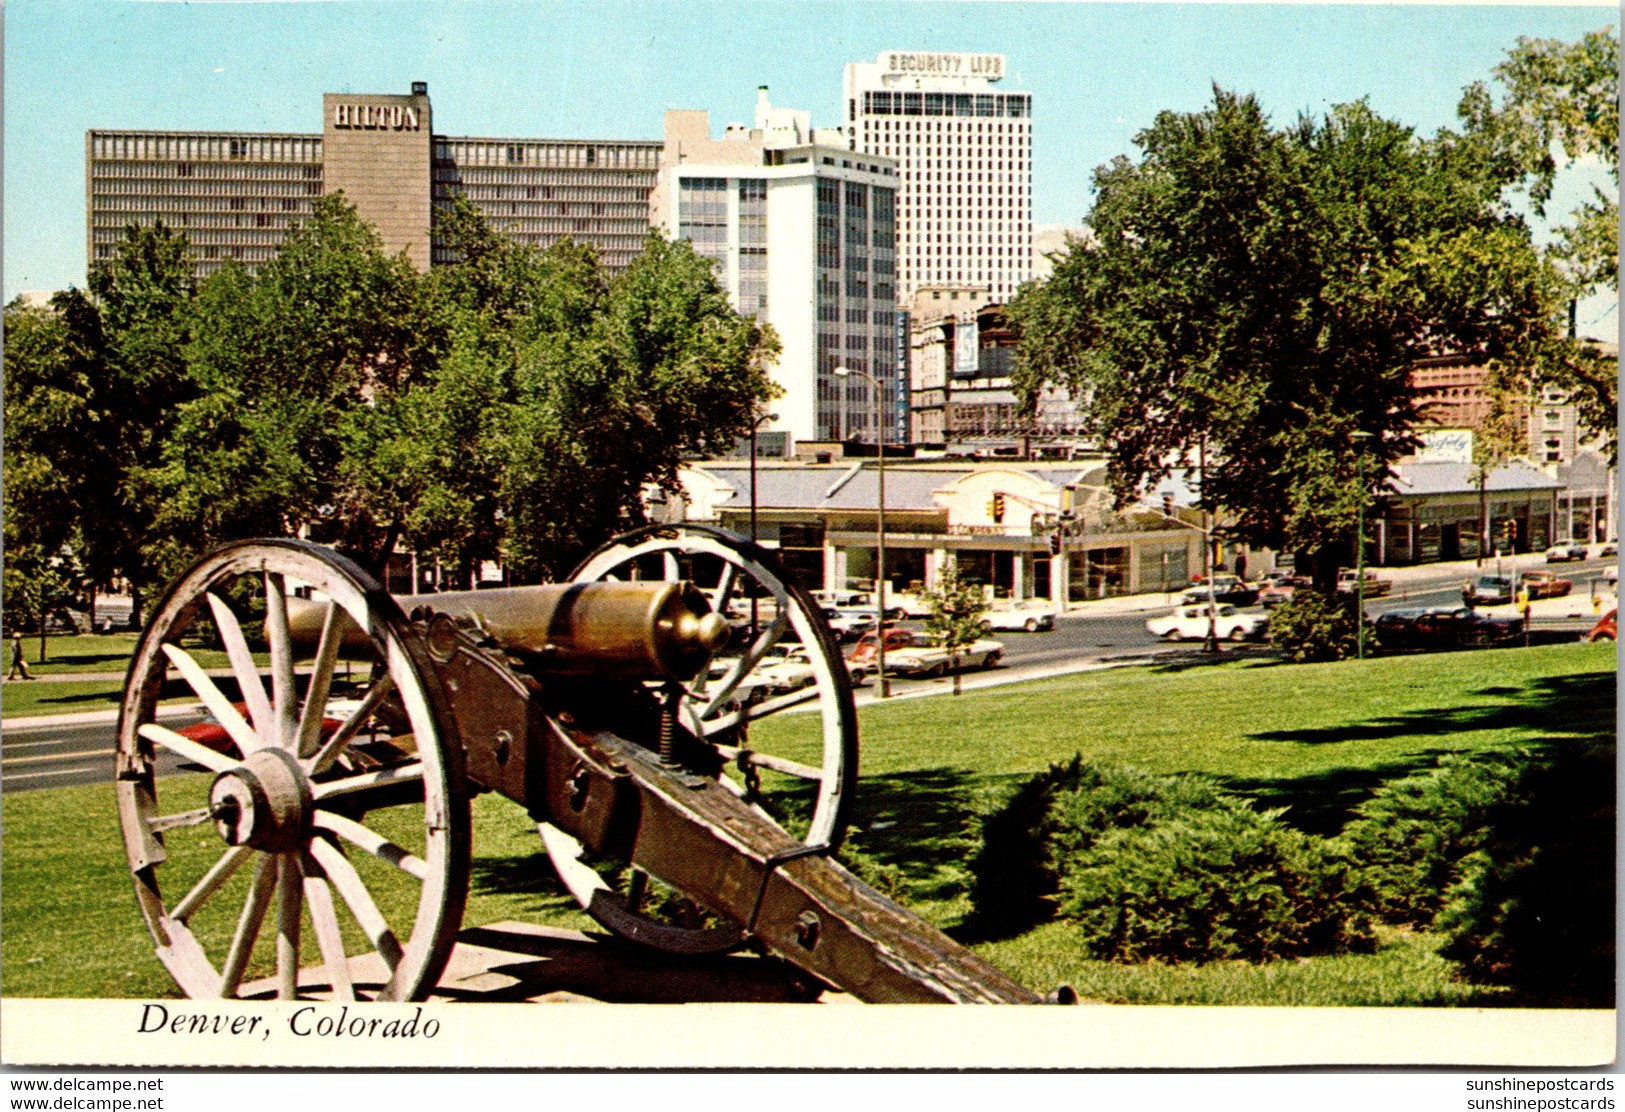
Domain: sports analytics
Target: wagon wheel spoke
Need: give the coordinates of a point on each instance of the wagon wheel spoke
(720, 594)
(181, 819)
(290, 890)
(347, 882)
(243, 668)
(248, 925)
(214, 699)
(384, 777)
(733, 718)
(376, 844)
(321, 682)
(220, 872)
(329, 939)
(746, 664)
(335, 745)
(669, 570)
(187, 749)
(769, 761)
(284, 693)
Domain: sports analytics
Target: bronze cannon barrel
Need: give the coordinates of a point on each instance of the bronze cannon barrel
(628, 630)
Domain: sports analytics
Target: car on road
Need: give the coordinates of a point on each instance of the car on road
(1487, 590)
(923, 655)
(1445, 627)
(1607, 629)
(1279, 587)
(1607, 550)
(849, 600)
(1190, 623)
(1031, 615)
(1610, 574)
(849, 623)
(1375, 586)
(1543, 584)
(1226, 588)
(1564, 551)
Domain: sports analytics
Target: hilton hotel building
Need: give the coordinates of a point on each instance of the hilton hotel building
(235, 194)
(803, 232)
(964, 151)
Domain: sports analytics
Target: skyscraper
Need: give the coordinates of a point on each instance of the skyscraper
(964, 153)
(803, 235)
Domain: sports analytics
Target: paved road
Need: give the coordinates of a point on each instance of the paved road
(56, 756)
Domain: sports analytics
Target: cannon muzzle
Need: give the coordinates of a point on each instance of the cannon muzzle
(626, 630)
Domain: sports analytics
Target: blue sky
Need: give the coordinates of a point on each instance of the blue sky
(593, 68)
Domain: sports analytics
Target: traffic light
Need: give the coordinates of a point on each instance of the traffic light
(1055, 544)
(1167, 505)
(995, 509)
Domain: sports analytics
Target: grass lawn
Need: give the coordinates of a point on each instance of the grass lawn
(1316, 738)
(92, 655)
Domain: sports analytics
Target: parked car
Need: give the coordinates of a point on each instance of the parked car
(1543, 584)
(1563, 551)
(922, 655)
(1375, 587)
(849, 623)
(1487, 590)
(853, 600)
(1226, 588)
(1445, 627)
(1610, 574)
(1607, 629)
(1279, 587)
(905, 604)
(866, 650)
(1607, 550)
(1190, 623)
(1031, 615)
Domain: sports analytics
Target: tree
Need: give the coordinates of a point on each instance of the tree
(285, 362)
(955, 607)
(1256, 296)
(1558, 97)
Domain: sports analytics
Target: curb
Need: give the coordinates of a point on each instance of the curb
(94, 717)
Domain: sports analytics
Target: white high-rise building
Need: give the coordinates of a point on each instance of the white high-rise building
(803, 234)
(964, 153)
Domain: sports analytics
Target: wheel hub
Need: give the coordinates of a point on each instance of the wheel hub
(265, 802)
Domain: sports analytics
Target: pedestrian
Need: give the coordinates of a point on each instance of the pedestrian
(18, 664)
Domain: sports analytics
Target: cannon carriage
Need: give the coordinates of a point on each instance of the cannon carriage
(331, 798)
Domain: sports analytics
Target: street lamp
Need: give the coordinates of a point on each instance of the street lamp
(1359, 555)
(880, 529)
(754, 425)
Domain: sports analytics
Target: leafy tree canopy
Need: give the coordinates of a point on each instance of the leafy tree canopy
(1257, 295)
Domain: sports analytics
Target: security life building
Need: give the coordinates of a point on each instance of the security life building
(236, 194)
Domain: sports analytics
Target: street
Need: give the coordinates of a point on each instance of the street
(1096, 634)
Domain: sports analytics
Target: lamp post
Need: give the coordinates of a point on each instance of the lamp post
(880, 529)
(1359, 554)
(754, 425)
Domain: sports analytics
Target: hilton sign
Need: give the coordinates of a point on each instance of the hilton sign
(376, 117)
(989, 66)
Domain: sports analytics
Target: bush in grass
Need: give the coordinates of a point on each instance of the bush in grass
(1413, 835)
(1051, 818)
(1213, 884)
(1312, 626)
(1535, 906)
(1160, 866)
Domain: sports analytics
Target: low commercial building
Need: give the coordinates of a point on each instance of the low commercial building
(1438, 511)
(1024, 530)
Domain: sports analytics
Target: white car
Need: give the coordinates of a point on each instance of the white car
(849, 623)
(1190, 623)
(920, 655)
(1031, 616)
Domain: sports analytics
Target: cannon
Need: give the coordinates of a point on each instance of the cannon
(690, 799)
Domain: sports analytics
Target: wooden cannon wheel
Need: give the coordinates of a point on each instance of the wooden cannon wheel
(329, 805)
(742, 687)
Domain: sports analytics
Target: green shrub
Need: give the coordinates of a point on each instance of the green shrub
(1413, 835)
(1534, 909)
(1170, 867)
(1051, 818)
(1312, 626)
(1213, 884)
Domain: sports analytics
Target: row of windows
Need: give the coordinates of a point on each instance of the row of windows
(947, 104)
(194, 220)
(205, 171)
(488, 152)
(478, 192)
(620, 180)
(102, 188)
(251, 148)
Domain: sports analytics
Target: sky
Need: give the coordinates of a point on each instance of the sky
(1098, 72)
